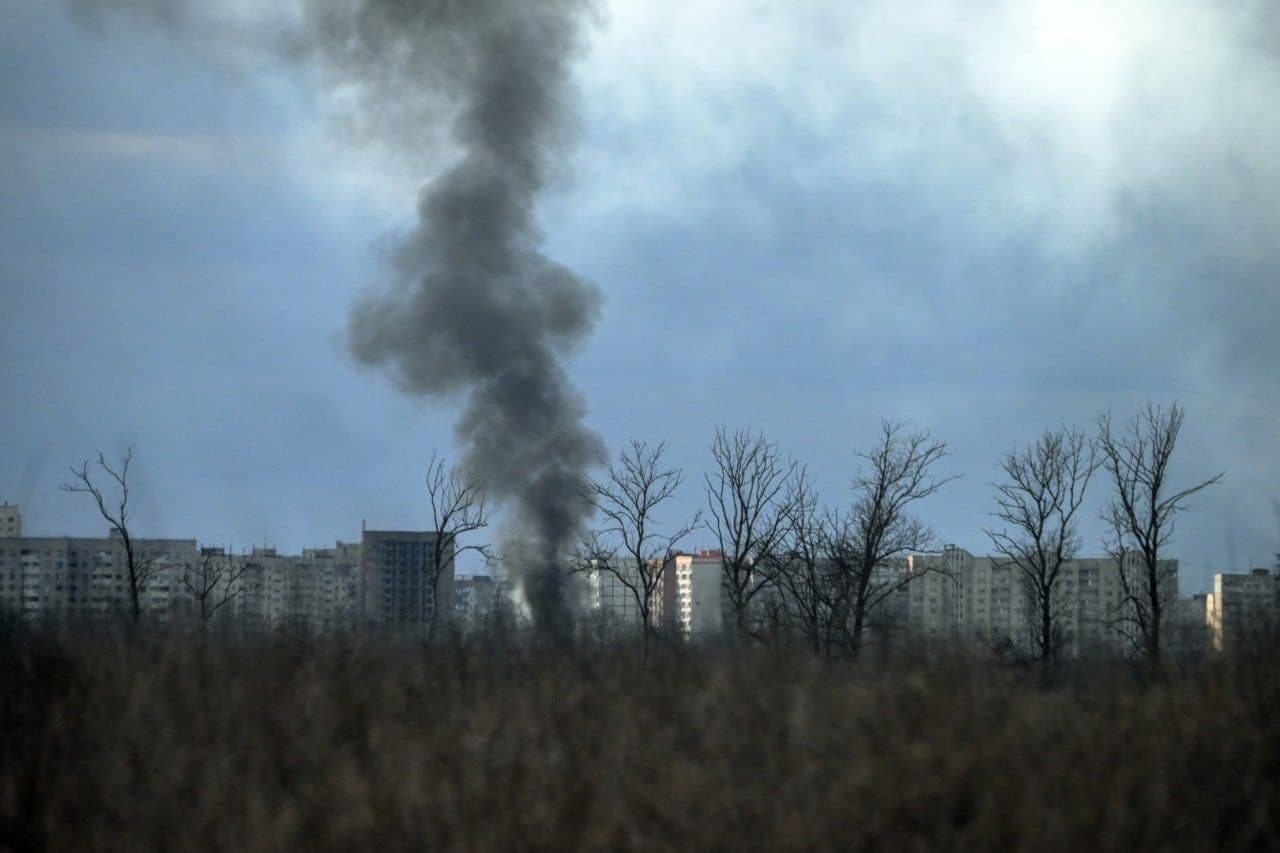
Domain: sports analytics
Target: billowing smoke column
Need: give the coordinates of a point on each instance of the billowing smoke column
(473, 306)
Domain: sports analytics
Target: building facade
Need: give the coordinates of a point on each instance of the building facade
(985, 600)
(613, 602)
(316, 591)
(693, 602)
(394, 585)
(478, 600)
(381, 580)
(1242, 607)
(10, 521)
(67, 578)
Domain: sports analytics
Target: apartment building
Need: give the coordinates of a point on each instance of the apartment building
(379, 580)
(611, 600)
(693, 603)
(394, 589)
(935, 596)
(71, 577)
(477, 601)
(985, 600)
(10, 521)
(1242, 607)
(316, 591)
(1094, 611)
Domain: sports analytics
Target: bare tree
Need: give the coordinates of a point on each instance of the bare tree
(217, 579)
(141, 561)
(1140, 517)
(800, 567)
(746, 497)
(1038, 503)
(877, 528)
(630, 547)
(458, 507)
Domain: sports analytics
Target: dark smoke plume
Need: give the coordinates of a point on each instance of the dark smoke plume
(473, 306)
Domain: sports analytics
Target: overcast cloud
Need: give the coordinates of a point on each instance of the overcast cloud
(985, 217)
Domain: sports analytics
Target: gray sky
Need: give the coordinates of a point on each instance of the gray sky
(987, 218)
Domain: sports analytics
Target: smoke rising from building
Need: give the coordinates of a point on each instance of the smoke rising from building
(472, 306)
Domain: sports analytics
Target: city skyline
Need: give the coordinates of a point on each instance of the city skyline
(693, 548)
(384, 582)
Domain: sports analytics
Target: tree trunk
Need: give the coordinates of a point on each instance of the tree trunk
(1047, 651)
(134, 592)
(644, 631)
(859, 617)
(435, 607)
(1153, 635)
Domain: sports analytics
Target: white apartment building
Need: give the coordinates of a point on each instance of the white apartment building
(984, 599)
(317, 591)
(693, 602)
(935, 602)
(69, 577)
(1242, 607)
(380, 580)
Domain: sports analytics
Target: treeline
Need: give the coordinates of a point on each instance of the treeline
(795, 568)
(823, 564)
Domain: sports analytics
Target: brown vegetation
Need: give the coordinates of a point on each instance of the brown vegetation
(161, 744)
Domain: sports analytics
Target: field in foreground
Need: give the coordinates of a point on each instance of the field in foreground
(346, 744)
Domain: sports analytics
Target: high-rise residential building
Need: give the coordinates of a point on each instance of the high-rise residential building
(64, 577)
(477, 601)
(984, 599)
(317, 591)
(692, 598)
(380, 580)
(1242, 607)
(613, 600)
(10, 521)
(935, 597)
(1096, 615)
(395, 587)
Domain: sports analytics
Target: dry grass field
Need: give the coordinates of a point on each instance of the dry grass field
(304, 745)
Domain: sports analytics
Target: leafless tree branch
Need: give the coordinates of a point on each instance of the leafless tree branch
(142, 562)
(1038, 503)
(807, 582)
(877, 527)
(459, 507)
(629, 546)
(1140, 517)
(217, 579)
(748, 515)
